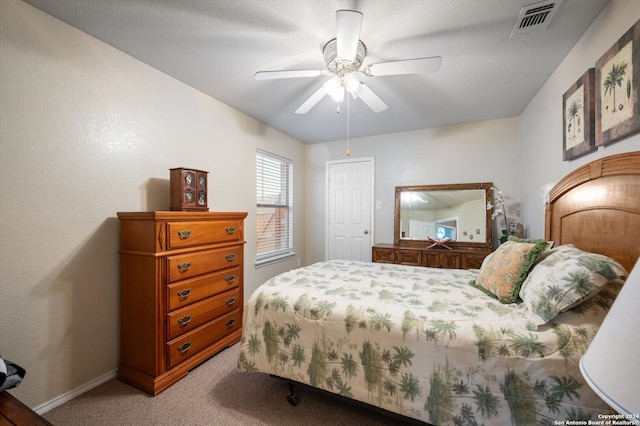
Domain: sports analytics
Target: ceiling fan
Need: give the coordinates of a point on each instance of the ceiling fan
(344, 57)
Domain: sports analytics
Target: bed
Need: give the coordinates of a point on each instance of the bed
(462, 347)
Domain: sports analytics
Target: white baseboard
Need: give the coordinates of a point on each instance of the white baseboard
(74, 393)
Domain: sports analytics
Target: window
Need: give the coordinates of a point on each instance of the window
(274, 184)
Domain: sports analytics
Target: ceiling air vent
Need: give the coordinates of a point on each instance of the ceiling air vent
(535, 17)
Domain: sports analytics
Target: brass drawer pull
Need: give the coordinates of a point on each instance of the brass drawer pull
(183, 294)
(230, 279)
(184, 347)
(230, 230)
(230, 301)
(230, 323)
(184, 234)
(230, 257)
(184, 267)
(184, 320)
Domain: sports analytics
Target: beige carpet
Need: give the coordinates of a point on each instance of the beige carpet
(212, 394)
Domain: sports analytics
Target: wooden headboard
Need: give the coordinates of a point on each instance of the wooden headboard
(597, 208)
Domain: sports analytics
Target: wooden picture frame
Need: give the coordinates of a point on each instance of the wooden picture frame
(617, 80)
(578, 119)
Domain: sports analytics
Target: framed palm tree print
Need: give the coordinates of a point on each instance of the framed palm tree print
(578, 104)
(617, 79)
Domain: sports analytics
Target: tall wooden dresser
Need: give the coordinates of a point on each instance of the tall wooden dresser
(181, 291)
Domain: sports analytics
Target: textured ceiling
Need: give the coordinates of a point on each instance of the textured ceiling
(217, 46)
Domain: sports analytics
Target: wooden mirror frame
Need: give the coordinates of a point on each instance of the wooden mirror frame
(483, 245)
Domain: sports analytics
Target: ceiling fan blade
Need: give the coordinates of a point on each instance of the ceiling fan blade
(408, 66)
(312, 101)
(272, 75)
(372, 100)
(348, 24)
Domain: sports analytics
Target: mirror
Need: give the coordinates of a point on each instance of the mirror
(435, 212)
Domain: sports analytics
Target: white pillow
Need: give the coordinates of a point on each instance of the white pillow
(565, 277)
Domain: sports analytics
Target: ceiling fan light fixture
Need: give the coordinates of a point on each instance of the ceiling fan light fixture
(334, 89)
(331, 85)
(338, 94)
(351, 83)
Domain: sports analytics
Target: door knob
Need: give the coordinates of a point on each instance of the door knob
(366, 232)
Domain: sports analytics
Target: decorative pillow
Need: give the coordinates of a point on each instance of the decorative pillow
(502, 274)
(526, 240)
(566, 277)
(486, 260)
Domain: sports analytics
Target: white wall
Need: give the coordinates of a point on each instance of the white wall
(540, 161)
(86, 131)
(485, 151)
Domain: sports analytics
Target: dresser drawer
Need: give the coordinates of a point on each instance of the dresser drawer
(193, 316)
(408, 257)
(185, 292)
(189, 344)
(382, 255)
(447, 260)
(186, 234)
(202, 262)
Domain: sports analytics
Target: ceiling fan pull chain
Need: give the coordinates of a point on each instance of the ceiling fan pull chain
(348, 120)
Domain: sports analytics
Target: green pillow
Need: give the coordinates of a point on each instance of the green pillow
(502, 275)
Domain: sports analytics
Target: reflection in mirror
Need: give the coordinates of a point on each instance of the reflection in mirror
(436, 214)
(457, 212)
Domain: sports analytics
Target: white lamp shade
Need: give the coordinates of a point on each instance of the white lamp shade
(611, 365)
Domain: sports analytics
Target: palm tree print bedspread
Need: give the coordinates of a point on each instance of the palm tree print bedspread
(423, 343)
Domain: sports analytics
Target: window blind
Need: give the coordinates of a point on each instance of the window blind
(274, 193)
